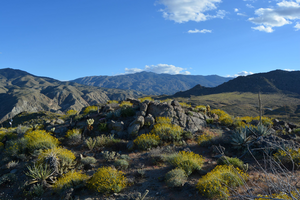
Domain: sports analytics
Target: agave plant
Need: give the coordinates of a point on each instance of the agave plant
(262, 130)
(40, 174)
(240, 139)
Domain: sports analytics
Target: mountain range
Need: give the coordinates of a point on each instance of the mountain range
(151, 83)
(21, 91)
(277, 81)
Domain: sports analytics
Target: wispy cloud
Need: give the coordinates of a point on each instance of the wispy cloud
(297, 26)
(192, 10)
(236, 10)
(199, 31)
(289, 70)
(241, 14)
(243, 73)
(249, 5)
(276, 17)
(159, 69)
(263, 28)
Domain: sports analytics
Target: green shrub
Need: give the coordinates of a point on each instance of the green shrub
(185, 105)
(235, 162)
(36, 190)
(74, 136)
(176, 178)
(88, 160)
(101, 141)
(188, 161)
(121, 164)
(146, 141)
(215, 183)
(40, 139)
(39, 173)
(103, 127)
(167, 131)
(107, 180)
(69, 180)
(206, 138)
(288, 156)
(16, 148)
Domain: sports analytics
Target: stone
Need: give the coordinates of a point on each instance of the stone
(149, 120)
(175, 103)
(60, 121)
(143, 107)
(133, 101)
(118, 126)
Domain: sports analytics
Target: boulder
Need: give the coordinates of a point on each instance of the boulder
(194, 124)
(140, 113)
(118, 126)
(135, 126)
(149, 120)
(135, 102)
(143, 107)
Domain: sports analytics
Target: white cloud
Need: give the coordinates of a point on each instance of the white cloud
(241, 14)
(276, 17)
(190, 10)
(236, 10)
(297, 26)
(198, 31)
(243, 73)
(263, 28)
(289, 70)
(132, 70)
(249, 5)
(159, 69)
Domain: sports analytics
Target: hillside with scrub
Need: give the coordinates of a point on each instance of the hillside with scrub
(142, 149)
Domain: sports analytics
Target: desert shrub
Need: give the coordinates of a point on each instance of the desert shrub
(74, 135)
(288, 156)
(65, 156)
(235, 162)
(292, 196)
(39, 173)
(145, 98)
(21, 130)
(12, 164)
(126, 104)
(36, 190)
(206, 138)
(187, 135)
(1, 146)
(112, 101)
(296, 130)
(71, 112)
(89, 109)
(103, 127)
(40, 139)
(88, 160)
(127, 111)
(166, 100)
(215, 183)
(201, 108)
(265, 120)
(114, 114)
(70, 179)
(107, 180)
(110, 155)
(146, 141)
(185, 105)
(16, 148)
(163, 120)
(176, 178)
(188, 161)
(8, 179)
(167, 132)
(238, 123)
(224, 118)
(101, 141)
(121, 163)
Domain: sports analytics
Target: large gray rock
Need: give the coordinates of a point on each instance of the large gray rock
(161, 110)
(135, 126)
(135, 102)
(118, 126)
(194, 124)
(149, 120)
(143, 107)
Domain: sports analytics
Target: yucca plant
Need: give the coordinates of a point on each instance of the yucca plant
(40, 174)
(241, 139)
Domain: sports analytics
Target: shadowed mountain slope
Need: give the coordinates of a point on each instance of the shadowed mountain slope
(21, 91)
(151, 83)
(277, 81)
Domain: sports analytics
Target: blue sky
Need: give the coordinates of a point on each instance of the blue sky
(68, 39)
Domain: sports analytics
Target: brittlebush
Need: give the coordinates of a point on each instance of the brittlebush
(146, 141)
(40, 139)
(107, 180)
(70, 179)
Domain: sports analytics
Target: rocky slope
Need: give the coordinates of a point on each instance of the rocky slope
(21, 91)
(151, 83)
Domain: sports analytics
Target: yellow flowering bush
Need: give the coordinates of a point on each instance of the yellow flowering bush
(188, 161)
(282, 195)
(146, 141)
(90, 109)
(206, 137)
(40, 139)
(107, 180)
(167, 132)
(265, 120)
(126, 103)
(183, 104)
(201, 108)
(286, 157)
(224, 118)
(215, 183)
(163, 120)
(72, 133)
(112, 101)
(145, 98)
(71, 112)
(70, 179)
(65, 156)
(1, 146)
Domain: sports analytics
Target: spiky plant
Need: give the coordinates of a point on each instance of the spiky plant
(40, 174)
(240, 139)
(53, 161)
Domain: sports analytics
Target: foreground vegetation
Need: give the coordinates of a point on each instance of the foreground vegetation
(80, 155)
